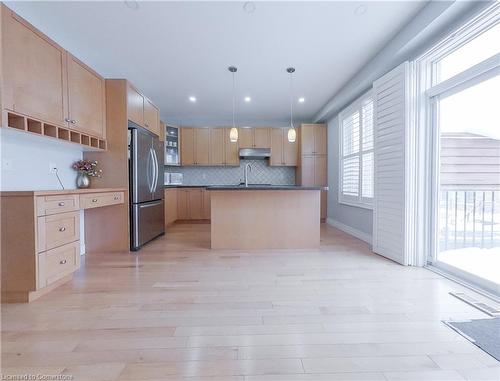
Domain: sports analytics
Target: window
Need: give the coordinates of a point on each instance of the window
(356, 153)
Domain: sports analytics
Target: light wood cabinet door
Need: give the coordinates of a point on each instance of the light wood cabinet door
(182, 204)
(290, 151)
(307, 132)
(195, 200)
(151, 117)
(320, 171)
(276, 147)
(87, 103)
(245, 137)
(216, 154)
(34, 72)
(320, 139)
(163, 131)
(187, 146)
(307, 170)
(135, 105)
(171, 206)
(202, 146)
(323, 204)
(231, 150)
(206, 204)
(262, 138)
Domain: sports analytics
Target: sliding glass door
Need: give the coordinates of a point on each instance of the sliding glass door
(464, 104)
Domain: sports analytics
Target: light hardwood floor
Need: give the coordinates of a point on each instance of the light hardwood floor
(178, 311)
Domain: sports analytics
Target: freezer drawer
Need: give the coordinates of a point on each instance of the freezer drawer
(147, 222)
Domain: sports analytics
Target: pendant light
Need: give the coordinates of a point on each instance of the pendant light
(233, 133)
(292, 133)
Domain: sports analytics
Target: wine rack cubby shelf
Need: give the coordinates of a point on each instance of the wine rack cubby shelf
(34, 126)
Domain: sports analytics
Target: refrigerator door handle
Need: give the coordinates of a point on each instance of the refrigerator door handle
(150, 171)
(157, 171)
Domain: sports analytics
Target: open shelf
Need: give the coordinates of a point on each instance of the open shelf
(63, 134)
(85, 140)
(16, 121)
(35, 126)
(38, 127)
(50, 130)
(75, 137)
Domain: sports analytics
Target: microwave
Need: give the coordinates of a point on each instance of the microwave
(172, 146)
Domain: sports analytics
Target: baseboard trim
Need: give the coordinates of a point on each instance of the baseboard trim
(350, 230)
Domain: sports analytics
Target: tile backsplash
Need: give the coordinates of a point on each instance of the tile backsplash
(261, 173)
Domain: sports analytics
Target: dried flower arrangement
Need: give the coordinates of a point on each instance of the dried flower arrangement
(87, 167)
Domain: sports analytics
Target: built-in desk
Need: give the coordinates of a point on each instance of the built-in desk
(41, 236)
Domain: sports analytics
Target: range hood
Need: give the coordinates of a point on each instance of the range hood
(255, 153)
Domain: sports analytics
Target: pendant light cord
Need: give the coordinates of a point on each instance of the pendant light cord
(291, 100)
(234, 125)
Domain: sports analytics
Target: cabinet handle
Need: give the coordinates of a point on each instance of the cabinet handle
(61, 229)
(116, 197)
(94, 200)
(62, 262)
(61, 203)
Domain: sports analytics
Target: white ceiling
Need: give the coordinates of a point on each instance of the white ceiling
(173, 50)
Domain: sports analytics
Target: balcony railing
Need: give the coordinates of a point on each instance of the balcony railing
(469, 218)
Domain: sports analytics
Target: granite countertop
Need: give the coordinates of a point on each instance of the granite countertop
(250, 187)
(263, 187)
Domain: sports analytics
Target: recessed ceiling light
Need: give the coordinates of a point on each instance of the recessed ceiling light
(249, 7)
(302, 100)
(132, 4)
(360, 10)
(248, 99)
(192, 99)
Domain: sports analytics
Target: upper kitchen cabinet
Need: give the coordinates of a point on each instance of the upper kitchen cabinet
(216, 155)
(34, 72)
(313, 139)
(195, 146)
(142, 111)
(254, 137)
(87, 99)
(151, 117)
(47, 91)
(283, 153)
(135, 105)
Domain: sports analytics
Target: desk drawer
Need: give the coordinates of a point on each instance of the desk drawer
(96, 200)
(47, 205)
(57, 263)
(58, 230)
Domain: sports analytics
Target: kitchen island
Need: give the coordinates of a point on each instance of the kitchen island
(265, 217)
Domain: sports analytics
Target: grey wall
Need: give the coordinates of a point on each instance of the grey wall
(261, 173)
(359, 219)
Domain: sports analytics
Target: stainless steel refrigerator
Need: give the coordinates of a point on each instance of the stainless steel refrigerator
(146, 186)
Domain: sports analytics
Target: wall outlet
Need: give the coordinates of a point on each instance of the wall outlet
(52, 167)
(8, 165)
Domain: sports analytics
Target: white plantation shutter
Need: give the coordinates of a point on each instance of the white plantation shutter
(356, 161)
(394, 138)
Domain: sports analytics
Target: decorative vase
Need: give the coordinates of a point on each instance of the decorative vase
(82, 180)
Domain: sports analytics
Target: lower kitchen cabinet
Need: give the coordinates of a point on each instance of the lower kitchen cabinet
(192, 204)
(171, 201)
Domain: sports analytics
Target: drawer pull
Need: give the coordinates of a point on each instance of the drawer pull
(62, 262)
(61, 203)
(94, 200)
(116, 197)
(61, 229)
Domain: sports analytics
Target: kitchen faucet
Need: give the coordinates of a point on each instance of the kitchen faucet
(248, 166)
